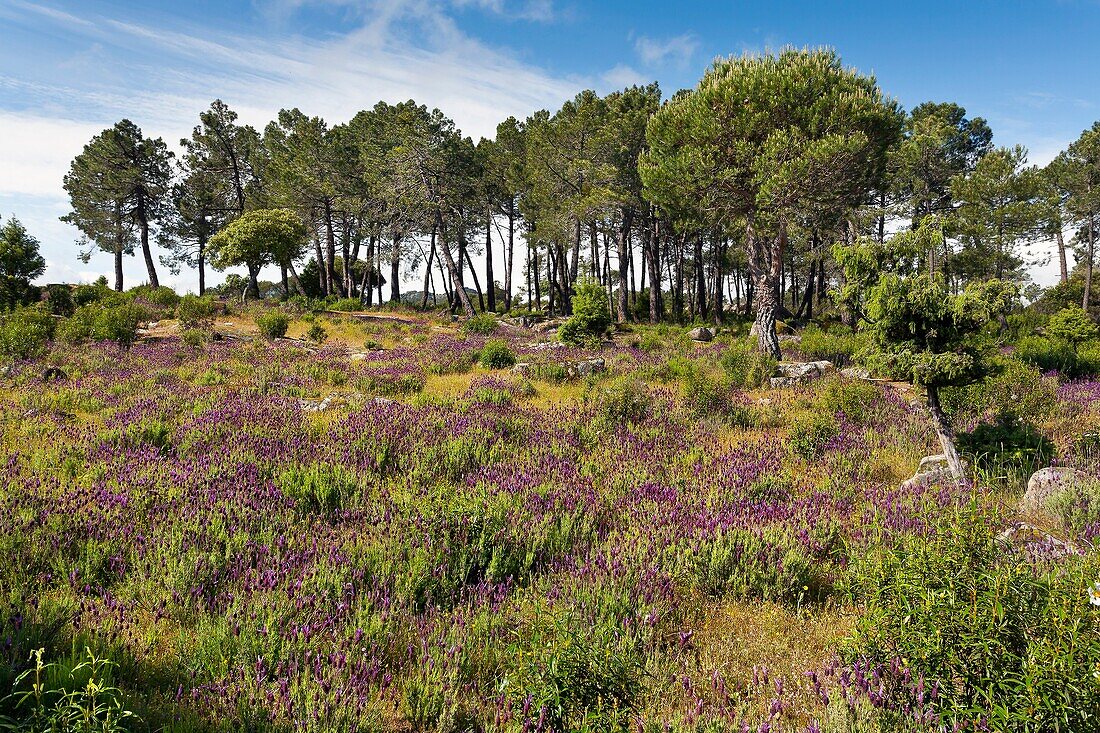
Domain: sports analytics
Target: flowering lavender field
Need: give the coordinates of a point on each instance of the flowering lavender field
(274, 537)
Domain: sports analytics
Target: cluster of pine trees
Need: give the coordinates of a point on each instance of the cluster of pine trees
(727, 196)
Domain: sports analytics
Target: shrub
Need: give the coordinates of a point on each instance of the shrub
(317, 333)
(622, 402)
(272, 324)
(59, 300)
(747, 366)
(1049, 354)
(483, 323)
(1078, 506)
(104, 320)
(706, 395)
(591, 317)
(195, 312)
(24, 333)
(1000, 638)
(851, 397)
(162, 297)
(347, 305)
(1006, 446)
(318, 488)
(811, 433)
(838, 345)
(1016, 386)
(741, 564)
(496, 355)
(1025, 323)
(1072, 325)
(195, 337)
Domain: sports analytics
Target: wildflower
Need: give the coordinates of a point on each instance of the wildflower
(1094, 594)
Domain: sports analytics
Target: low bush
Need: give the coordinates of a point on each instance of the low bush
(744, 565)
(59, 300)
(1048, 354)
(496, 355)
(272, 324)
(483, 324)
(1016, 386)
(1078, 506)
(1007, 446)
(24, 333)
(85, 294)
(319, 488)
(810, 433)
(317, 333)
(707, 395)
(747, 366)
(195, 337)
(104, 320)
(838, 344)
(851, 397)
(195, 312)
(159, 297)
(1072, 325)
(347, 305)
(623, 401)
(997, 637)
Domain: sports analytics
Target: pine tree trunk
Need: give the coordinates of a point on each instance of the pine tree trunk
(490, 280)
(202, 266)
(452, 269)
(395, 270)
(1088, 265)
(945, 434)
(511, 254)
(1062, 266)
(652, 242)
(118, 267)
(766, 258)
(330, 252)
(428, 269)
(143, 224)
(621, 236)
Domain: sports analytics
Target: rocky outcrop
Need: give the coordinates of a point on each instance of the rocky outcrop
(1047, 483)
(794, 373)
(702, 334)
(931, 470)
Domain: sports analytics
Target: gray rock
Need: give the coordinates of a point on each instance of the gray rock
(587, 367)
(855, 372)
(522, 367)
(785, 382)
(931, 470)
(932, 463)
(701, 334)
(804, 371)
(548, 326)
(1047, 483)
(326, 404)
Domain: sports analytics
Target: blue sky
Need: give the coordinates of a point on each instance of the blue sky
(68, 69)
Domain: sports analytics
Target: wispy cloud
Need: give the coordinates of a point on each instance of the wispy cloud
(677, 50)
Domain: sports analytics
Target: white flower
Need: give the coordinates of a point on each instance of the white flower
(1094, 594)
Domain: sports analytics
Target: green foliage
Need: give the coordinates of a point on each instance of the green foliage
(317, 333)
(496, 355)
(1007, 446)
(810, 433)
(708, 395)
(591, 317)
(85, 294)
(161, 297)
(1025, 323)
(742, 564)
(623, 401)
(347, 305)
(838, 345)
(746, 366)
(1072, 325)
(20, 262)
(854, 398)
(83, 702)
(25, 333)
(1002, 639)
(195, 312)
(1078, 507)
(195, 337)
(257, 238)
(1048, 354)
(108, 320)
(319, 488)
(1015, 386)
(483, 323)
(272, 324)
(59, 300)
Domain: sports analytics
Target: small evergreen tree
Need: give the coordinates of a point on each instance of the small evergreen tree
(921, 332)
(591, 316)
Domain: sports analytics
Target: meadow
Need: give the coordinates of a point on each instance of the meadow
(390, 527)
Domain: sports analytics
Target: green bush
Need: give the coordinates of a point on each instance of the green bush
(59, 300)
(104, 320)
(24, 333)
(347, 305)
(483, 324)
(319, 488)
(195, 312)
(810, 433)
(1015, 386)
(317, 333)
(747, 366)
(1072, 325)
(1025, 323)
(195, 337)
(161, 297)
(838, 345)
(773, 566)
(496, 355)
(591, 317)
(1001, 638)
(85, 294)
(1049, 354)
(624, 401)
(272, 324)
(851, 397)
(1006, 446)
(706, 395)
(1078, 506)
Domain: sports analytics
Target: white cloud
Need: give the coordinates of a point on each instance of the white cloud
(677, 50)
(622, 76)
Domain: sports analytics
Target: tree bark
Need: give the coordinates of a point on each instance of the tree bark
(766, 257)
(428, 268)
(202, 265)
(944, 433)
(143, 225)
(1088, 265)
(490, 282)
(511, 254)
(118, 267)
(653, 244)
(332, 281)
(1062, 266)
(395, 270)
(460, 291)
(622, 235)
